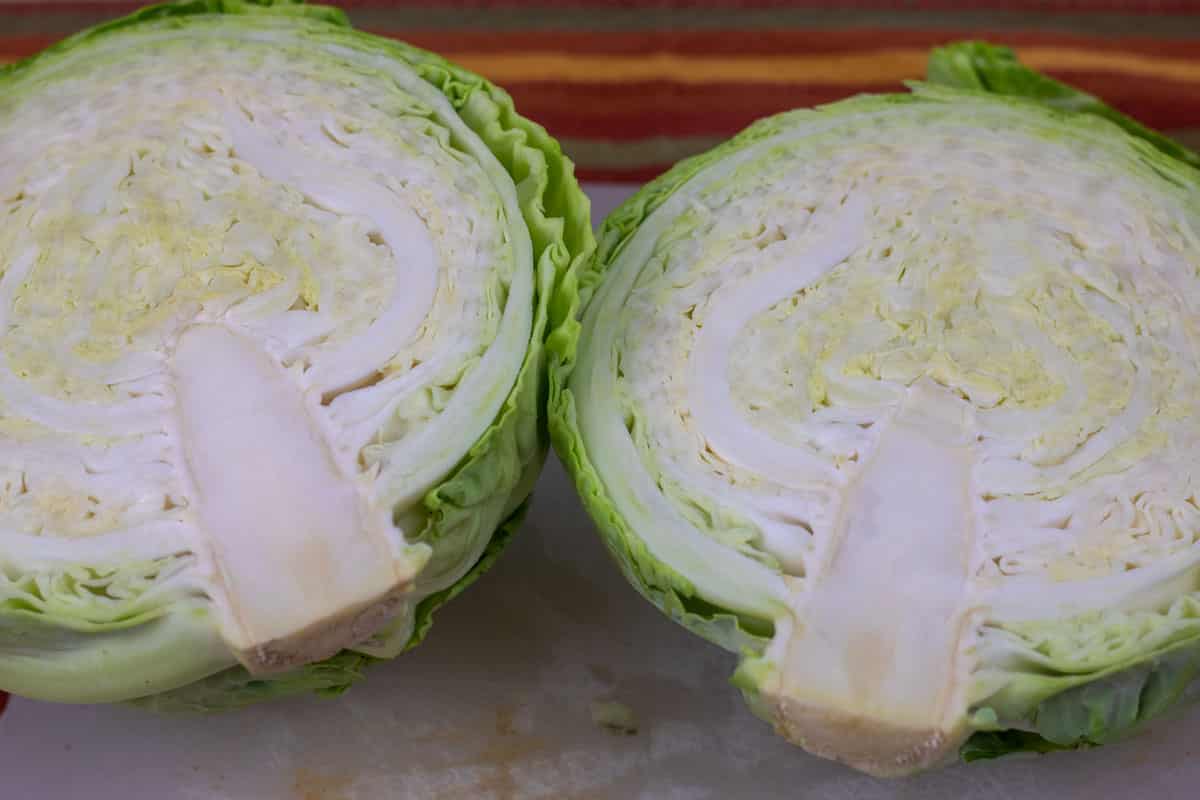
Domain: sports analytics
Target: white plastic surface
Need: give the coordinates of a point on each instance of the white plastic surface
(497, 704)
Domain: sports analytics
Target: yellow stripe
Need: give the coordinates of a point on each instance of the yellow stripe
(857, 68)
(1143, 66)
(876, 66)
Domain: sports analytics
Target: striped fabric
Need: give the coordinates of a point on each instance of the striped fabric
(630, 86)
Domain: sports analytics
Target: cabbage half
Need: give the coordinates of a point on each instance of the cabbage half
(898, 399)
(273, 296)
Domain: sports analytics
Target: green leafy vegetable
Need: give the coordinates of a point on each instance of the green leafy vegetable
(996, 70)
(897, 399)
(994, 744)
(273, 295)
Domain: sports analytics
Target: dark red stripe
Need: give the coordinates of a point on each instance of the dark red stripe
(20, 46)
(41, 9)
(624, 112)
(634, 175)
(1157, 103)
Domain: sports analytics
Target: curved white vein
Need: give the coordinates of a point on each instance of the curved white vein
(723, 425)
(398, 225)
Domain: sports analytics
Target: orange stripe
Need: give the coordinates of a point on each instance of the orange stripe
(842, 68)
(879, 66)
(1080, 60)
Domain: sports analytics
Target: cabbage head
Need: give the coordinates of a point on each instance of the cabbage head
(273, 296)
(899, 400)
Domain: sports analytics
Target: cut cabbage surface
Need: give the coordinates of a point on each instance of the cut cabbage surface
(272, 301)
(898, 399)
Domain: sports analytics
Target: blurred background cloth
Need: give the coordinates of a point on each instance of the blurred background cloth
(631, 86)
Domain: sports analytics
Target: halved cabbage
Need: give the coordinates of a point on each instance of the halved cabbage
(899, 399)
(273, 295)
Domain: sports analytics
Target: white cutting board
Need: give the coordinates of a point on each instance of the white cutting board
(496, 704)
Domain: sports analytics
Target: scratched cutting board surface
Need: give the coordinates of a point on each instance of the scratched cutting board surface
(496, 704)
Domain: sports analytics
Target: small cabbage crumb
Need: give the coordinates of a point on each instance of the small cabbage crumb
(615, 717)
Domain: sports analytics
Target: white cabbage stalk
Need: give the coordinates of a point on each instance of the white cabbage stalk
(898, 399)
(269, 350)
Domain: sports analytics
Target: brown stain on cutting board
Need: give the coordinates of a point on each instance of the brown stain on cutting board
(505, 721)
(312, 785)
(497, 759)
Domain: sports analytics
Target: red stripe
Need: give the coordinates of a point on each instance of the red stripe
(42, 9)
(625, 112)
(787, 42)
(1189, 7)
(773, 42)
(914, 6)
(1159, 104)
(728, 42)
(20, 46)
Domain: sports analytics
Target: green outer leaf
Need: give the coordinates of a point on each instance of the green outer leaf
(180, 644)
(500, 539)
(993, 744)
(674, 594)
(1108, 709)
(499, 472)
(236, 688)
(1118, 704)
(996, 70)
(496, 476)
(1100, 710)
